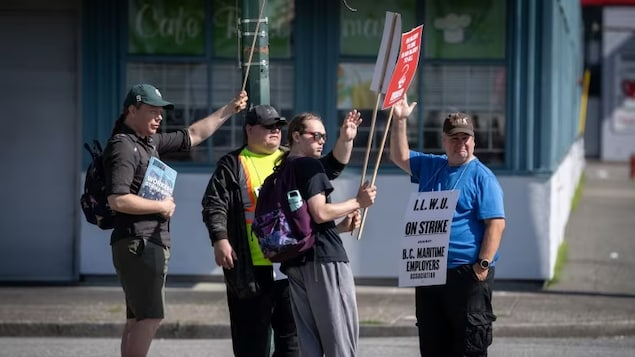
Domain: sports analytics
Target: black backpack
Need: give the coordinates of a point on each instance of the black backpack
(282, 222)
(94, 201)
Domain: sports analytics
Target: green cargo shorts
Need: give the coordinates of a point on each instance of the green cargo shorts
(142, 267)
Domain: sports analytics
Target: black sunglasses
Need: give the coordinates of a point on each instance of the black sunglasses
(317, 136)
(273, 126)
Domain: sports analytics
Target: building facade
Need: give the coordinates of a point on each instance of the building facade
(609, 45)
(513, 65)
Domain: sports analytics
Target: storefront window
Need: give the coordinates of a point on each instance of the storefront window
(166, 27)
(465, 29)
(280, 15)
(361, 31)
(186, 86)
(165, 38)
(353, 88)
(360, 37)
(473, 81)
(478, 90)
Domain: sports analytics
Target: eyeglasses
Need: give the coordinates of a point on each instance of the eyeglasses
(273, 126)
(317, 136)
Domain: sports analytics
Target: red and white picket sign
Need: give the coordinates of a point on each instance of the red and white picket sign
(402, 75)
(406, 66)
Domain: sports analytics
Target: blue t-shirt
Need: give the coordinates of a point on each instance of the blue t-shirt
(480, 198)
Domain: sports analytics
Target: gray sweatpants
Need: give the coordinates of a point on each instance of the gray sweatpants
(324, 309)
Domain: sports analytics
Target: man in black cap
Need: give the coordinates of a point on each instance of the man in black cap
(141, 239)
(257, 292)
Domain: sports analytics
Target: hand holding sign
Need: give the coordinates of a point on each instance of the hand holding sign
(401, 109)
(388, 50)
(400, 81)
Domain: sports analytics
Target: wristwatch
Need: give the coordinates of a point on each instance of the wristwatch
(484, 263)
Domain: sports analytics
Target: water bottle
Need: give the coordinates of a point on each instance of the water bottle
(295, 200)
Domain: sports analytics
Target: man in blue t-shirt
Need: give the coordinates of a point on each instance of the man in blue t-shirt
(455, 319)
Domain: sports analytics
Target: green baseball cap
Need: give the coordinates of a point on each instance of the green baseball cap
(147, 94)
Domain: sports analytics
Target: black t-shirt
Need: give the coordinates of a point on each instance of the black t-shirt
(312, 180)
(126, 158)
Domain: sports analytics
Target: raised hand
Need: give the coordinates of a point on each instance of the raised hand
(401, 109)
(239, 102)
(348, 130)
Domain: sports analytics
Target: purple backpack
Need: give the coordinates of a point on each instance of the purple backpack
(282, 221)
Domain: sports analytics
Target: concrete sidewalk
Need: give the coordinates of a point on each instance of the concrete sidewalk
(595, 297)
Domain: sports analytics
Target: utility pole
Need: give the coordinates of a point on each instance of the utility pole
(254, 22)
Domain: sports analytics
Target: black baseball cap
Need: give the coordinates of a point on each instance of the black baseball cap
(264, 114)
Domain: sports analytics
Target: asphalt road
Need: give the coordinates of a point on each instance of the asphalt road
(369, 347)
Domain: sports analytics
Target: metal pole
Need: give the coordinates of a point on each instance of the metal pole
(254, 61)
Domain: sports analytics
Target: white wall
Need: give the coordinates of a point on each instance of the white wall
(537, 210)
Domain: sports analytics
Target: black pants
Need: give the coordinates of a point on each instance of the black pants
(252, 319)
(455, 319)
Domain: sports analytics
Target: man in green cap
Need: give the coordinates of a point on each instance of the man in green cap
(140, 240)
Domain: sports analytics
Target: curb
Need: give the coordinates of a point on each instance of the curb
(171, 330)
(567, 330)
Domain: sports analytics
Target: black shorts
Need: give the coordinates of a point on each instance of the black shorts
(141, 267)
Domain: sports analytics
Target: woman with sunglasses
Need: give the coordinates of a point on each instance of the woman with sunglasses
(321, 280)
